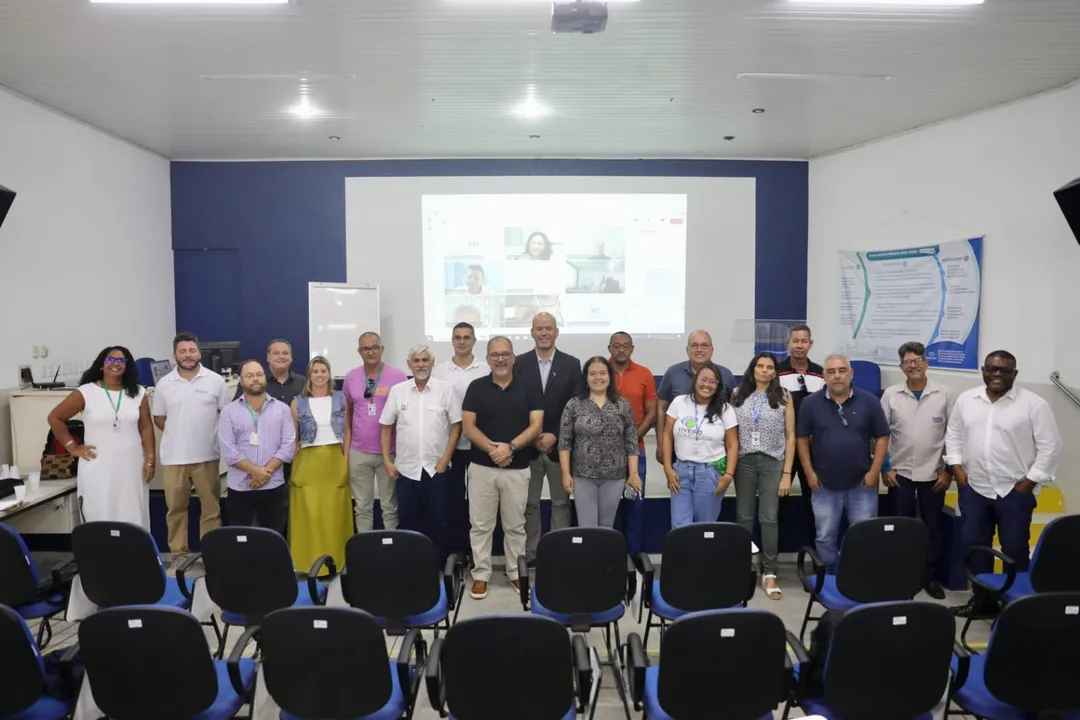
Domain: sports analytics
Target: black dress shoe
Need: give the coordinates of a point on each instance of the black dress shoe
(977, 608)
(934, 590)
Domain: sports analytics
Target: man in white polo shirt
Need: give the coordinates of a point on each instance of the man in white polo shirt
(459, 371)
(428, 420)
(186, 406)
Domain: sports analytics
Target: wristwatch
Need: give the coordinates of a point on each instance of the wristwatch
(513, 448)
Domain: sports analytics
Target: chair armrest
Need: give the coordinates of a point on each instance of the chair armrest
(648, 574)
(413, 640)
(181, 581)
(523, 581)
(797, 647)
(582, 671)
(631, 579)
(62, 576)
(1008, 564)
(233, 663)
(819, 570)
(453, 577)
(313, 577)
(638, 662)
(798, 686)
(433, 679)
(963, 665)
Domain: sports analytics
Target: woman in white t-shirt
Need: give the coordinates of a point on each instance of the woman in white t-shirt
(703, 433)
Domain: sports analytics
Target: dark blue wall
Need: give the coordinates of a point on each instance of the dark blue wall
(249, 237)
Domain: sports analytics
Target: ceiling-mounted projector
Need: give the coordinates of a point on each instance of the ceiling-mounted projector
(578, 16)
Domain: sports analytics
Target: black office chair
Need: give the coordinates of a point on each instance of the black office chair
(153, 662)
(22, 681)
(584, 580)
(1030, 667)
(24, 590)
(1054, 567)
(510, 666)
(881, 559)
(249, 574)
(330, 662)
(395, 576)
(714, 664)
(886, 661)
(706, 567)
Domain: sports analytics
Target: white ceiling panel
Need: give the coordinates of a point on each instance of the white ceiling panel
(439, 78)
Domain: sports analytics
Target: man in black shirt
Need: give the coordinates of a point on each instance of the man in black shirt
(502, 416)
(801, 378)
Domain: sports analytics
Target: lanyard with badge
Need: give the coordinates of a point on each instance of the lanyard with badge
(115, 406)
(254, 439)
(757, 401)
(371, 393)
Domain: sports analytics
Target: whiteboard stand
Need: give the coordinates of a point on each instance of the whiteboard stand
(337, 314)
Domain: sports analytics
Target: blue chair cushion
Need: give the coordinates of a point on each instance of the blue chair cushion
(46, 708)
(661, 607)
(1021, 586)
(600, 618)
(431, 617)
(303, 599)
(976, 699)
(832, 598)
(49, 606)
(173, 597)
(392, 710)
(227, 703)
(652, 703)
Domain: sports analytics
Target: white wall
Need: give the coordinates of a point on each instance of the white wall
(86, 251)
(989, 174)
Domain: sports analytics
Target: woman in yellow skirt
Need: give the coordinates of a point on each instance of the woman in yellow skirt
(320, 502)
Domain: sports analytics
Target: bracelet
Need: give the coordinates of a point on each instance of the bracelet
(71, 442)
(786, 473)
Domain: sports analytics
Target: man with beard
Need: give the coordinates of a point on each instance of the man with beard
(1002, 445)
(185, 406)
(258, 438)
(428, 423)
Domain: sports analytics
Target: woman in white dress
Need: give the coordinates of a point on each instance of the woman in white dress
(117, 460)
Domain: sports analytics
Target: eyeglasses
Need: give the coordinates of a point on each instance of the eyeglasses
(999, 370)
(840, 412)
(500, 355)
(370, 348)
(700, 346)
(912, 362)
(620, 346)
(708, 382)
(115, 361)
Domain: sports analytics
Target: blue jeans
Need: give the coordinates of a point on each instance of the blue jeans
(860, 502)
(631, 516)
(696, 500)
(1012, 516)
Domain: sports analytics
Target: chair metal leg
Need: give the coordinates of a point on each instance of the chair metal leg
(806, 617)
(44, 630)
(615, 661)
(963, 634)
(224, 638)
(648, 626)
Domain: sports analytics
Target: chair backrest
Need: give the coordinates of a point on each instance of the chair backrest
(118, 564)
(18, 571)
(325, 662)
(487, 677)
(912, 640)
(23, 677)
(391, 574)
(148, 662)
(867, 376)
(580, 571)
(1056, 558)
(706, 566)
(883, 559)
(723, 663)
(249, 571)
(1031, 657)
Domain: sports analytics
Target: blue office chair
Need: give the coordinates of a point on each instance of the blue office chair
(714, 664)
(886, 661)
(249, 574)
(881, 559)
(395, 576)
(22, 682)
(153, 662)
(584, 580)
(705, 568)
(1054, 567)
(330, 662)
(23, 589)
(867, 376)
(510, 666)
(1030, 667)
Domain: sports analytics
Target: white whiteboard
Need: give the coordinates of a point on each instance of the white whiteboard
(337, 315)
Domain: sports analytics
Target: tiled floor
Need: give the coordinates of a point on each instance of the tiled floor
(503, 598)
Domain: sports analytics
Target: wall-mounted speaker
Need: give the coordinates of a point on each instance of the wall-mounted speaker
(1068, 198)
(6, 198)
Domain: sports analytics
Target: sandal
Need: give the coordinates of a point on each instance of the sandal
(773, 593)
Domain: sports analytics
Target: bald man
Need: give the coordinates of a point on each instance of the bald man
(558, 377)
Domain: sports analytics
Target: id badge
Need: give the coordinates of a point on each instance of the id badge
(254, 439)
(755, 439)
(116, 426)
(371, 409)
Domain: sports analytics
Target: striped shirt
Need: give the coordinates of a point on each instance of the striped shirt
(276, 439)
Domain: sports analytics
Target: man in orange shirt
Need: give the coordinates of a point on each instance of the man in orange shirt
(637, 384)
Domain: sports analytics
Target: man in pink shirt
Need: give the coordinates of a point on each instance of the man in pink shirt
(366, 389)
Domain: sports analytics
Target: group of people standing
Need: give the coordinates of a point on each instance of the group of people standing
(452, 447)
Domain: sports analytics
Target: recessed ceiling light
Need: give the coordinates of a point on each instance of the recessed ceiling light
(758, 111)
(335, 137)
(304, 109)
(871, 3)
(530, 108)
(190, 2)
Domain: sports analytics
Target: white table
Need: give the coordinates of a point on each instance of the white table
(51, 509)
